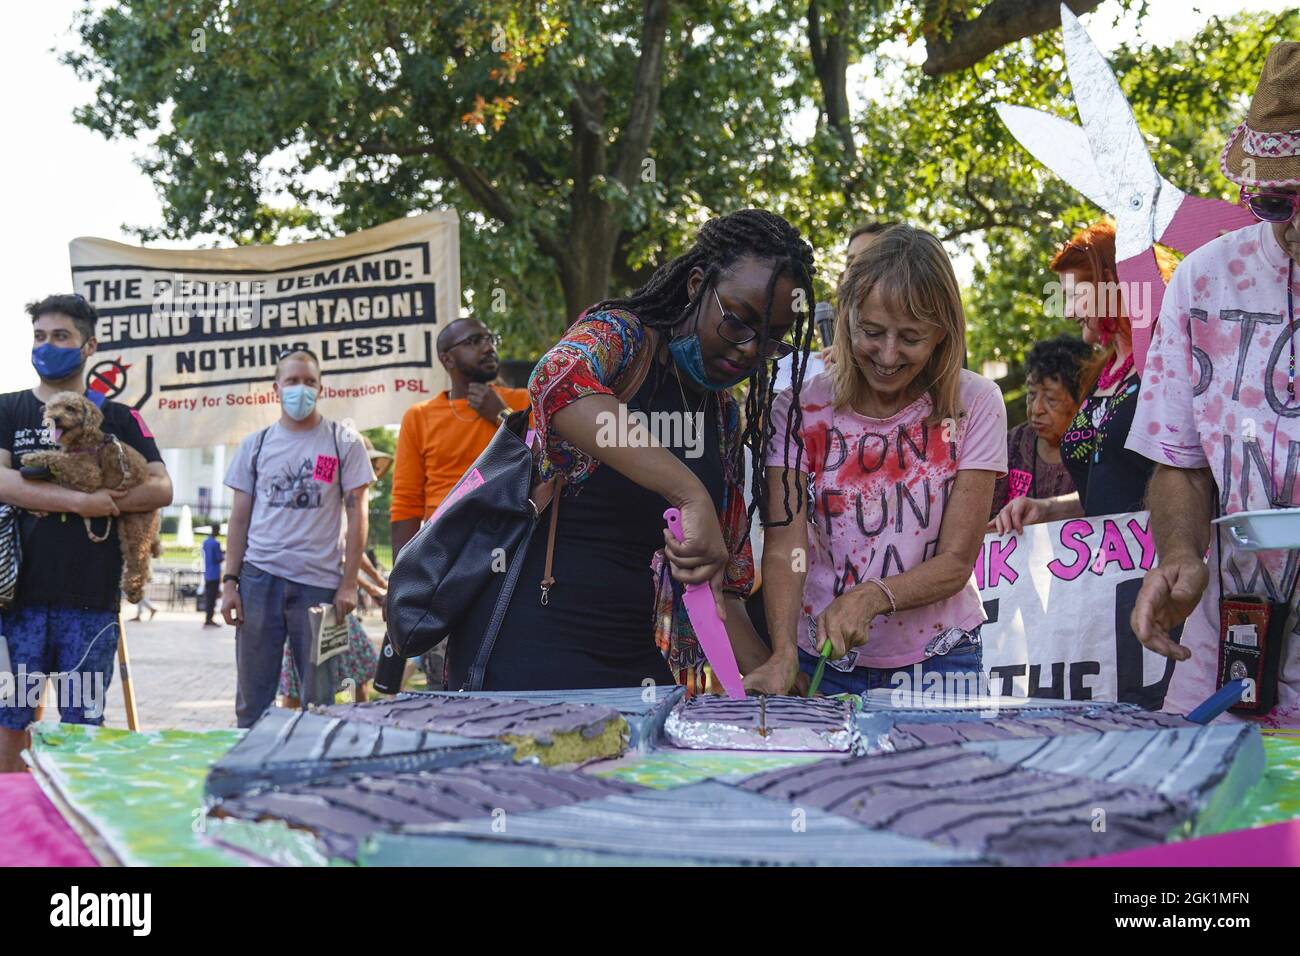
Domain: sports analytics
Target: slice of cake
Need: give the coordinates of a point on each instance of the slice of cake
(550, 732)
(340, 814)
(970, 801)
(644, 708)
(293, 746)
(762, 723)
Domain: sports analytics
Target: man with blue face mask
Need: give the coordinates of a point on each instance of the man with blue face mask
(64, 618)
(293, 482)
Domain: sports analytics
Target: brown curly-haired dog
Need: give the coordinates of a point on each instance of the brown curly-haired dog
(91, 460)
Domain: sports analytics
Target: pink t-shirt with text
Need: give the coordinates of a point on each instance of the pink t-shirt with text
(879, 488)
(1213, 395)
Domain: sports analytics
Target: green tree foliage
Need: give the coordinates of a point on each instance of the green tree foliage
(381, 492)
(584, 142)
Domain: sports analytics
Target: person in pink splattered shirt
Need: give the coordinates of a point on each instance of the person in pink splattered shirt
(1219, 411)
(900, 450)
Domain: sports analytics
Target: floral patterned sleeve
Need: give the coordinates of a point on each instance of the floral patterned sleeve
(594, 353)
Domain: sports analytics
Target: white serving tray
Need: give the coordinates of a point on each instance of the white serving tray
(1263, 530)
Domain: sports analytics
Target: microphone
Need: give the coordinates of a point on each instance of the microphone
(824, 316)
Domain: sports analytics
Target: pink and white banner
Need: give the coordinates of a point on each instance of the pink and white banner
(1058, 598)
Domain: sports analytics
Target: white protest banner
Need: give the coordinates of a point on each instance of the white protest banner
(190, 338)
(1058, 598)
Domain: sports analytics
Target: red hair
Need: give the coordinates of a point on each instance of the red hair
(1091, 253)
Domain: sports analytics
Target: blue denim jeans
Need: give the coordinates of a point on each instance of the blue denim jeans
(965, 658)
(274, 609)
(75, 647)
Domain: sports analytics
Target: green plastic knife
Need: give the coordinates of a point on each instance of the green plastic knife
(821, 667)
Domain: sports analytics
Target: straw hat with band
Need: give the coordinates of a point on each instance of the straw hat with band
(1264, 151)
(380, 461)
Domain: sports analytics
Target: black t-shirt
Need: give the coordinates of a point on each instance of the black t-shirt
(60, 564)
(1114, 480)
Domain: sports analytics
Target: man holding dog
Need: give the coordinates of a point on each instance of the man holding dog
(292, 483)
(64, 617)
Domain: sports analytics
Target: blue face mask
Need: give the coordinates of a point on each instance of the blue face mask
(299, 401)
(689, 356)
(54, 362)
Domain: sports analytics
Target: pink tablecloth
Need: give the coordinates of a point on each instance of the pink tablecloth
(1274, 845)
(32, 833)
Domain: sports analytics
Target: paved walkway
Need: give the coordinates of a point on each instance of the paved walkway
(183, 672)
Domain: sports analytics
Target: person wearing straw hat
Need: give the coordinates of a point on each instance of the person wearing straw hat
(1219, 411)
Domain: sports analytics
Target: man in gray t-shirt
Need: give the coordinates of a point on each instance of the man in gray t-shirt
(292, 482)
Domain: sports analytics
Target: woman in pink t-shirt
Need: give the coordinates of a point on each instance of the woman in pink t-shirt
(896, 448)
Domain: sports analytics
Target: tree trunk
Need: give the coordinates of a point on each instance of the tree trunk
(585, 279)
(594, 223)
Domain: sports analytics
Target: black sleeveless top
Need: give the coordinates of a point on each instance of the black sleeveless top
(1110, 478)
(597, 627)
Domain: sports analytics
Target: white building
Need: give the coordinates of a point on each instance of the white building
(197, 475)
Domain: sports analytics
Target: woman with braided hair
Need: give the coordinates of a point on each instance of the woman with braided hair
(705, 322)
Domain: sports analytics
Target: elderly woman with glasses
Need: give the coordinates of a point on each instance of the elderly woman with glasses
(610, 612)
(1053, 388)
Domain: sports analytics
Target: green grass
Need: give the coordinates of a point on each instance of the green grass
(174, 554)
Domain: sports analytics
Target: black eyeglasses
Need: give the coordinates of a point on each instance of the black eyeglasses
(1271, 206)
(475, 341)
(738, 333)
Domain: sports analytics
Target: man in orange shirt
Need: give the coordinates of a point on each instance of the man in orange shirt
(442, 437)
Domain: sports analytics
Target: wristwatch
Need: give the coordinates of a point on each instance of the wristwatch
(503, 415)
(230, 577)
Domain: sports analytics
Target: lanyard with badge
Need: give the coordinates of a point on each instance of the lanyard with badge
(1252, 629)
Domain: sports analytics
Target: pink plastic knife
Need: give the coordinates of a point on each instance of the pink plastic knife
(703, 611)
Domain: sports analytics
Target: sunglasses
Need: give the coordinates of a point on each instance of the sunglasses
(474, 341)
(1271, 207)
(738, 333)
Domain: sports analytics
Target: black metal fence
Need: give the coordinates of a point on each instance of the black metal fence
(200, 520)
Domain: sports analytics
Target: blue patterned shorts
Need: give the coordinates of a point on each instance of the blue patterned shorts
(74, 646)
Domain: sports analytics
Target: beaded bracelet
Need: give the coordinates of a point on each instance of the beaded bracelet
(893, 605)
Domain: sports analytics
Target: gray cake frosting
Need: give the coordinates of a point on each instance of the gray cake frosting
(965, 800)
(704, 822)
(343, 812)
(644, 708)
(473, 716)
(292, 746)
